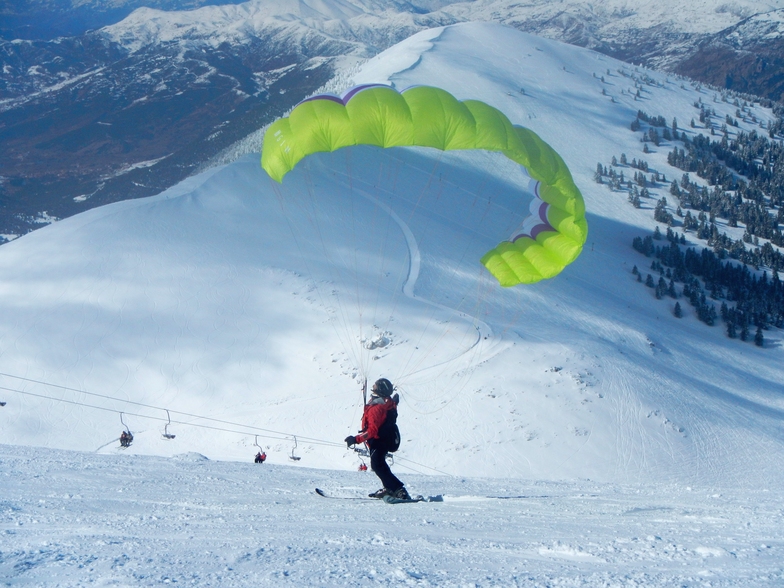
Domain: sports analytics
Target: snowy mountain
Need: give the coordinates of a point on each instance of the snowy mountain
(623, 445)
(44, 19)
(132, 108)
(205, 300)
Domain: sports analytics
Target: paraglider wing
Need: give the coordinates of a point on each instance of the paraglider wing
(551, 237)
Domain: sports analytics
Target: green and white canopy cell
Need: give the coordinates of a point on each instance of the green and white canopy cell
(552, 236)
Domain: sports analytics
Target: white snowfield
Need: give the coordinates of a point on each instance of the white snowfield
(631, 448)
(80, 519)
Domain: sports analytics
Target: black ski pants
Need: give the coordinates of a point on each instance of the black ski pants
(378, 463)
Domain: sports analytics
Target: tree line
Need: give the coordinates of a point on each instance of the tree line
(747, 302)
(745, 173)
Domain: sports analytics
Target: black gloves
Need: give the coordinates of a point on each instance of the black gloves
(350, 440)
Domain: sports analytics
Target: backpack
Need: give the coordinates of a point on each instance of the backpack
(388, 433)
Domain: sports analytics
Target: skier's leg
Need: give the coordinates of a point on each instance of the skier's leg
(378, 464)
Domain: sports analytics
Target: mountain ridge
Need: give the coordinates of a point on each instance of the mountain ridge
(217, 299)
(180, 87)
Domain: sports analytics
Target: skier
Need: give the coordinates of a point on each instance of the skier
(261, 457)
(380, 432)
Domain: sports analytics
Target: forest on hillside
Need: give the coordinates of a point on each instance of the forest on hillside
(741, 184)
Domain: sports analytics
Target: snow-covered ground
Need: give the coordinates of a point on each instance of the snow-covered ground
(251, 311)
(79, 519)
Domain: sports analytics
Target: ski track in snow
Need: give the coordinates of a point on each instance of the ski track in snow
(144, 521)
(483, 330)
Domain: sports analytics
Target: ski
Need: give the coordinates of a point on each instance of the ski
(323, 494)
(387, 499)
(417, 498)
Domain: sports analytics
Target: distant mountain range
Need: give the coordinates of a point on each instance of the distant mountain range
(104, 101)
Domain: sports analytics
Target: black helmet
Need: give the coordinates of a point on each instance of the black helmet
(383, 387)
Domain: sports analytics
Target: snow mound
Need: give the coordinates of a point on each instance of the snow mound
(190, 457)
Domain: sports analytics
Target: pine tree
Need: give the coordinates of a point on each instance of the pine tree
(661, 288)
(731, 331)
(758, 337)
(677, 310)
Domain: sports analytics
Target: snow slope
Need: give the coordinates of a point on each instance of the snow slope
(212, 301)
(623, 446)
(125, 520)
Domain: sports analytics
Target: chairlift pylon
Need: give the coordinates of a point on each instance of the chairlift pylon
(166, 434)
(292, 456)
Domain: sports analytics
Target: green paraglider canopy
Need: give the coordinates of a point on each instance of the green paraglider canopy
(423, 116)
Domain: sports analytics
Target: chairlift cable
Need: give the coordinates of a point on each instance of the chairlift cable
(281, 437)
(186, 414)
(209, 427)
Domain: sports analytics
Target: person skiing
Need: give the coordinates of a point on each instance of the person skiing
(380, 433)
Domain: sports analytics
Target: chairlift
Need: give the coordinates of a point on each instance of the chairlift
(362, 466)
(126, 437)
(292, 456)
(166, 434)
(261, 456)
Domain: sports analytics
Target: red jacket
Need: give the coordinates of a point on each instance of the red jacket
(373, 417)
